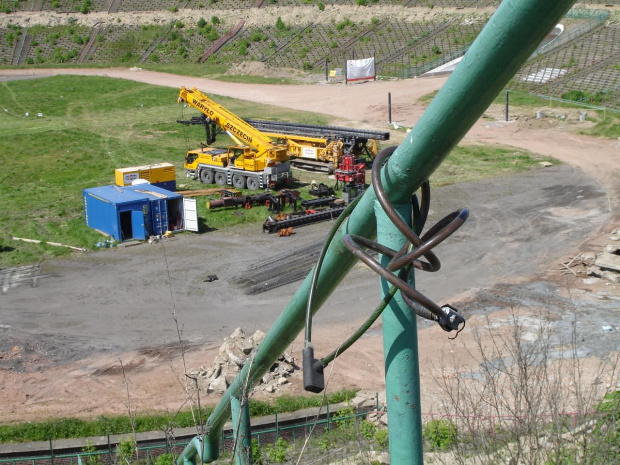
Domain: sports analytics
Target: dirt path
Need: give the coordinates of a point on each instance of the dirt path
(96, 309)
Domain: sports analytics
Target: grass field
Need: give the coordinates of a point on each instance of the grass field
(88, 126)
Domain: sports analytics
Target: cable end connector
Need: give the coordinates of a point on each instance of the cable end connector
(314, 380)
(451, 320)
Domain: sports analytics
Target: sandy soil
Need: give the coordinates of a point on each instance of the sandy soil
(63, 341)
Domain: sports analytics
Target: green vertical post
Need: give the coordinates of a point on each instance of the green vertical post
(328, 421)
(400, 347)
(277, 430)
(510, 37)
(242, 432)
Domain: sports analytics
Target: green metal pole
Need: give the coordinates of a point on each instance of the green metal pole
(242, 432)
(400, 347)
(509, 38)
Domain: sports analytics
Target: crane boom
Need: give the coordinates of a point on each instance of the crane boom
(228, 121)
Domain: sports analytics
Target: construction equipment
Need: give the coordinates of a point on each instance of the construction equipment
(351, 175)
(256, 162)
(301, 218)
(319, 148)
(274, 201)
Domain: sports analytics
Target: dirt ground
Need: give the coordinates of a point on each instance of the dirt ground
(63, 341)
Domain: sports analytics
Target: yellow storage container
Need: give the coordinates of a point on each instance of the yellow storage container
(158, 174)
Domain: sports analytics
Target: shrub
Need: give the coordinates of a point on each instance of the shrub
(307, 66)
(277, 452)
(243, 48)
(125, 450)
(87, 5)
(174, 9)
(321, 6)
(344, 23)
(382, 439)
(361, 2)
(91, 458)
(258, 36)
(344, 418)
(201, 23)
(165, 459)
(440, 434)
(280, 26)
(179, 24)
(257, 453)
(368, 429)
(215, 20)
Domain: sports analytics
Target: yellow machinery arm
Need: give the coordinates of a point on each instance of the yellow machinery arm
(228, 121)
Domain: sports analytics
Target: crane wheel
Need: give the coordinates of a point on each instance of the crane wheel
(220, 179)
(238, 181)
(252, 184)
(206, 176)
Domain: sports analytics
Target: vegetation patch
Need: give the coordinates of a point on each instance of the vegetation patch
(66, 428)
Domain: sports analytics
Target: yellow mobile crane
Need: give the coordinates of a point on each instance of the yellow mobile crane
(257, 162)
(320, 148)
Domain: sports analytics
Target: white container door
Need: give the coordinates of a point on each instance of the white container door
(190, 215)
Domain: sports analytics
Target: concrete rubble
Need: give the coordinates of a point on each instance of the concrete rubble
(604, 265)
(235, 352)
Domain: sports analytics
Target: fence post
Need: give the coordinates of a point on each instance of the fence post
(507, 93)
(51, 452)
(327, 416)
(389, 122)
(277, 431)
(377, 398)
(109, 449)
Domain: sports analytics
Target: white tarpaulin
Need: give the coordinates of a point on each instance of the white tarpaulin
(358, 70)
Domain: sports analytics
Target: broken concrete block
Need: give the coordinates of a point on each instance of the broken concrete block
(588, 257)
(612, 248)
(234, 353)
(592, 280)
(219, 385)
(282, 380)
(257, 337)
(594, 271)
(286, 368)
(611, 276)
(608, 261)
(237, 334)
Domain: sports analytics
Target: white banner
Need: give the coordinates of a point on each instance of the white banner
(358, 70)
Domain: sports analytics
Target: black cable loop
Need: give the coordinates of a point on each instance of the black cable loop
(412, 252)
(402, 261)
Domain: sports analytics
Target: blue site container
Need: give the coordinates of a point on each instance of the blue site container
(165, 208)
(132, 212)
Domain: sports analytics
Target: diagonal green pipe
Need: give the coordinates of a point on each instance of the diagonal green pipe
(509, 38)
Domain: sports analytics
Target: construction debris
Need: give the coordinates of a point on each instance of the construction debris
(604, 265)
(285, 232)
(55, 244)
(236, 351)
